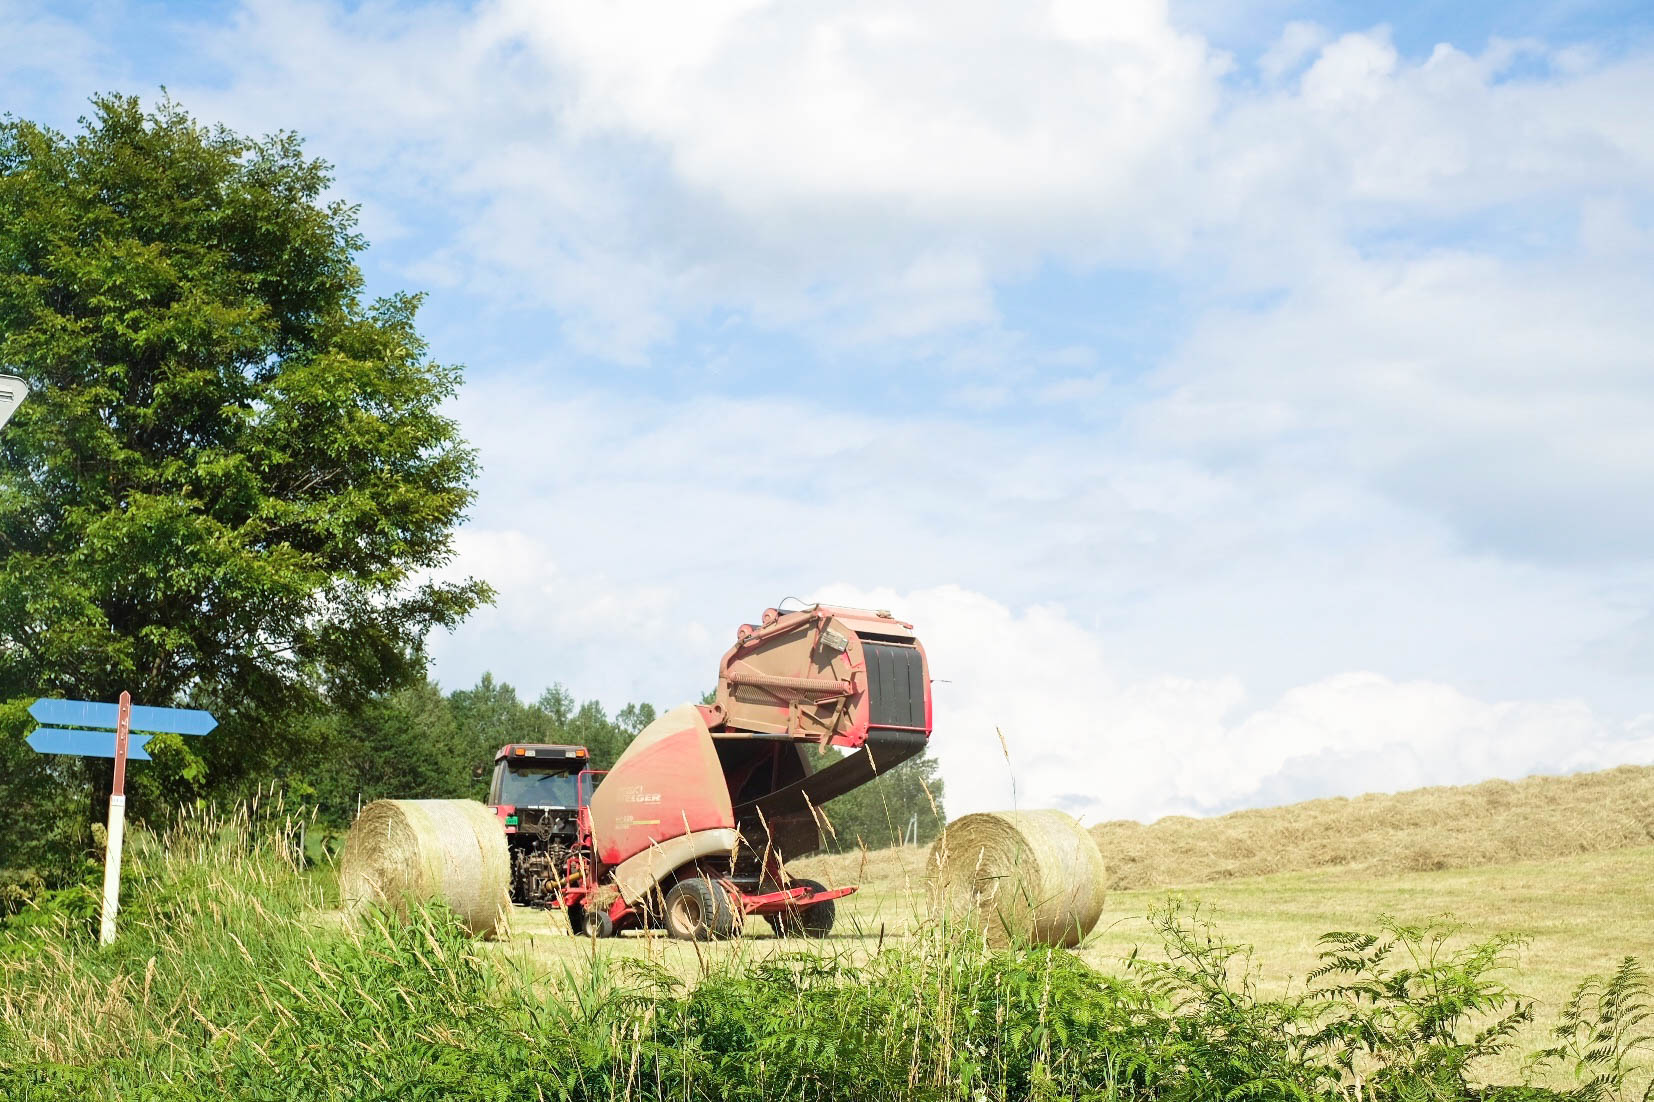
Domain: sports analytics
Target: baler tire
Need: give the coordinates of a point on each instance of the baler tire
(815, 920)
(577, 920)
(698, 909)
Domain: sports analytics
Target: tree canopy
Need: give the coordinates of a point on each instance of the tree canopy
(233, 480)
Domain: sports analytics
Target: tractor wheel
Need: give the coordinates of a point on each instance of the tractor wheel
(815, 920)
(698, 909)
(598, 924)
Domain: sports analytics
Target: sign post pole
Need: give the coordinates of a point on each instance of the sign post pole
(117, 826)
(86, 732)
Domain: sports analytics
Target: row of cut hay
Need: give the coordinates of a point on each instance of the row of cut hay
(1492, 823)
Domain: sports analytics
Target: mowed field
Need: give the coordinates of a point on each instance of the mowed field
(1582, 915)
(1582, 912)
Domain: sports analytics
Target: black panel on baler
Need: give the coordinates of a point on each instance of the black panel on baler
(895, 685)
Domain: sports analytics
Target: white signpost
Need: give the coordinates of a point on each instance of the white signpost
(88, 734)
(12, 392)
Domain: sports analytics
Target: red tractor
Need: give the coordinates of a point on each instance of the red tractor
(691, 828)
(536, 794)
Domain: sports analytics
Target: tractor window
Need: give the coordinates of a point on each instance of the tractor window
(537, 788)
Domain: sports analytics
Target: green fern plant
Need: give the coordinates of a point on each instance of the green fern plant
(1408, 1011)
(1217, 1037)
(1602, 1031)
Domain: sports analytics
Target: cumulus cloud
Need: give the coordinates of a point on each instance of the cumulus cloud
(1150, 636)
(1509, 399)
(634, 165)
(869, 175)
(1101, 747)
(1370, 509)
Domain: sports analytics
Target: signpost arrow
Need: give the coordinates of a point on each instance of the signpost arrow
(119, 744)
(87, 744)
(87, 713)
(12, 392)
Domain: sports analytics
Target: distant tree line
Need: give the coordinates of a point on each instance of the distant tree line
(419, 743)
(901, 804)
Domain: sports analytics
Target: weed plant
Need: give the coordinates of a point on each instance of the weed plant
(231, 980)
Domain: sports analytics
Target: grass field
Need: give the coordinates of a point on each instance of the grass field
(234, 977)
(1581, 915)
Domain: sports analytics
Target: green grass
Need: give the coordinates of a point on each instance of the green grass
(1582, 914)
(231, 979)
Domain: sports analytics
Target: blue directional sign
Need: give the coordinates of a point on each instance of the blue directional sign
(86, 713)
(101, 743)
(88, 744)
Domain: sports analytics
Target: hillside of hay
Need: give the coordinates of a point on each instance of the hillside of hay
(1492, 823)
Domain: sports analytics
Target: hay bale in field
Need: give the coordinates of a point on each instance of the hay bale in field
(1021, 876)
(435, 851)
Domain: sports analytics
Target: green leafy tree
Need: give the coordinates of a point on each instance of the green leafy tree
(558, 703)
(488, 716)
(233, 480)
(402, 745)
(592, 728)
(633, 718)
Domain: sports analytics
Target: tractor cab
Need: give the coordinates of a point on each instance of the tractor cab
(537, 776)
(537, 792)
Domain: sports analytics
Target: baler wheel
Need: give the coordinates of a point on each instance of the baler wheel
(815, 920)
(699, 909)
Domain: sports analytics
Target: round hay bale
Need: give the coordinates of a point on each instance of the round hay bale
(1020, 876)
(437, 851)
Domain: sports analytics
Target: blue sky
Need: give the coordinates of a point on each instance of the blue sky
(1246, 402)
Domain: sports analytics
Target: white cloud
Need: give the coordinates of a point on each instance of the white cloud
(633, 165)
(1149, 635)
(613, 633)
(1298, 40)
(1082, 739)
(954, 104)
(1510, 399)
(1375, 514)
